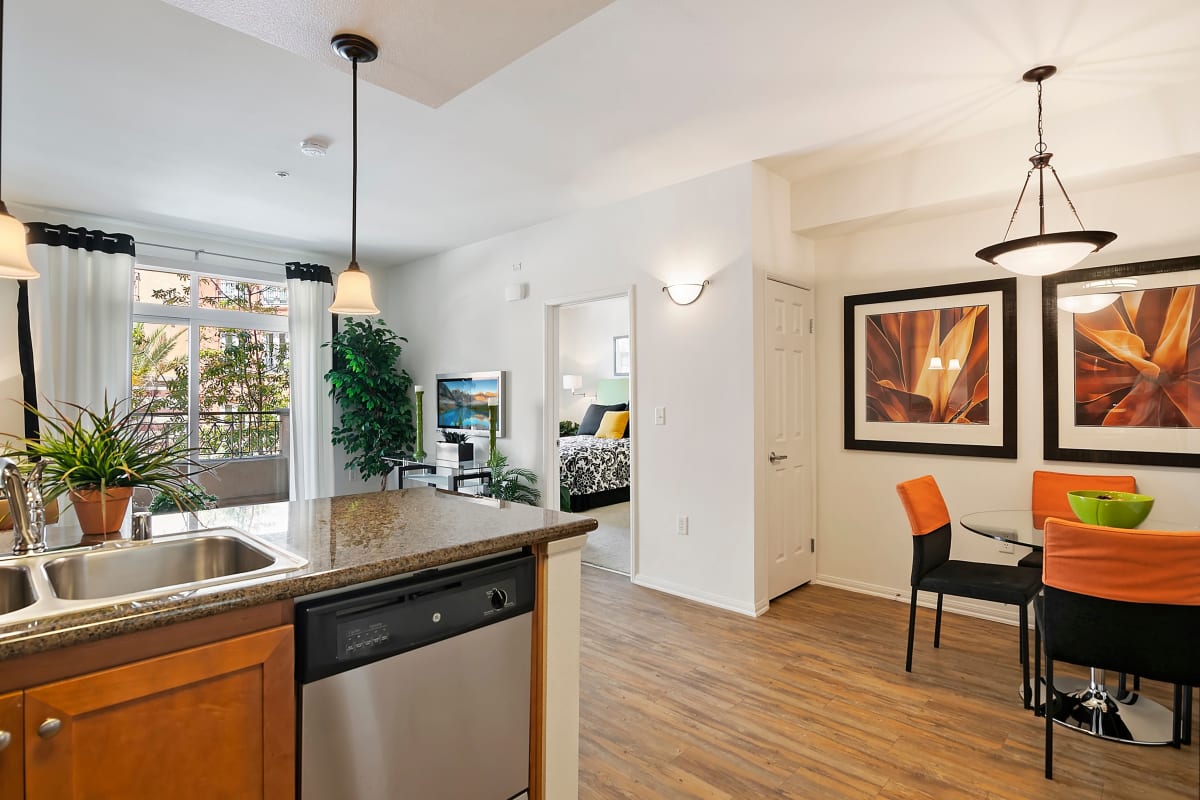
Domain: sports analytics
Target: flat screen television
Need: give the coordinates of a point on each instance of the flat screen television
(462, 401)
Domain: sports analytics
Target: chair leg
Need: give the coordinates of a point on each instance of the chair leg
(1177, 718)
(1024, 648)
(1049, 715)
(1037, 666)
(912, 624)
(937, 625)
(1186, 735)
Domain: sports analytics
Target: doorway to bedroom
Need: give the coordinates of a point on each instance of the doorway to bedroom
(593, 379)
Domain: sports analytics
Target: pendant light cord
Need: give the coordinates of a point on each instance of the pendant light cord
(354, 167)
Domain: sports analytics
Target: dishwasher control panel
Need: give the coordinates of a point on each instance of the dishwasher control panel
(359, 626)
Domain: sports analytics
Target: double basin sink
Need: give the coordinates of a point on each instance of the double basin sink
(124, 571)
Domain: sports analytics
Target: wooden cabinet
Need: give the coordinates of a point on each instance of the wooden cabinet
(216, 720)
(12, 754)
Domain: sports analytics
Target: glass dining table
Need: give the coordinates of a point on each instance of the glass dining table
(1085, 705)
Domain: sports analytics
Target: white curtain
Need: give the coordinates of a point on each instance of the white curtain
(80, 310)
(310, 325)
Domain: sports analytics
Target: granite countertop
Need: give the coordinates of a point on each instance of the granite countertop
(346, 540)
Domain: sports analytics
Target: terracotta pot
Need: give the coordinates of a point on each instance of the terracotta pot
(101, 513)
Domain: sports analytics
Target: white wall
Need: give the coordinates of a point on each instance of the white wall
(696, 361)
(585, 341)
(863, 534)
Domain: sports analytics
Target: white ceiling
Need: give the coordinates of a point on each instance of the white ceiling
(138, 110)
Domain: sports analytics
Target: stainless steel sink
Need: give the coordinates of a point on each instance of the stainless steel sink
(123, 571)
(16, 589)
(162, 565)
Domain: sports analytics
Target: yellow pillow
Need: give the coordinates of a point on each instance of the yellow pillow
(612, 426)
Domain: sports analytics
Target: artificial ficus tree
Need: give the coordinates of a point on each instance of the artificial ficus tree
(373, 395)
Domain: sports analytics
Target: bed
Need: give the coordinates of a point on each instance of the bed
(594, 471)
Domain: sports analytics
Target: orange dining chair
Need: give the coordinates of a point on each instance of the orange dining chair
(1120, 600)
(934, 571)
(1050, 498)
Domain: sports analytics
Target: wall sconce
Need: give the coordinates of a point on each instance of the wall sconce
(515, 291)
(684, 294)
(935, 363)
(574, 383)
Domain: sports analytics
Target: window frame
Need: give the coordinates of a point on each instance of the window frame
(194, 317)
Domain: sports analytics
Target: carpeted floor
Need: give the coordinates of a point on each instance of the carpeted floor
(608, 545)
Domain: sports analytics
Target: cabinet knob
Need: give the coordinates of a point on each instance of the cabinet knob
(50, 727)
(5, 739)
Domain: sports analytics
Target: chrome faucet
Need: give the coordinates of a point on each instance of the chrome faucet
(25, 506)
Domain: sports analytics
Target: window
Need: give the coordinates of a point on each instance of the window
(209, 356)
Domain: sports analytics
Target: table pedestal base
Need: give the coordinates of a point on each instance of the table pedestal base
(1087, 707)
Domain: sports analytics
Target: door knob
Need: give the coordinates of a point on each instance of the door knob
(5, 739)
(50, 727)
(776, 459)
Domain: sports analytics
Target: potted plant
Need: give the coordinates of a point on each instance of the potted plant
(455, 448)
(97, 457)
(515, 484)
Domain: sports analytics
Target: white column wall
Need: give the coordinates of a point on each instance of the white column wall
(696, 361)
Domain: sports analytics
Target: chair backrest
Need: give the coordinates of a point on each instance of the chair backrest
(1123, 600)
(930, 522)
(1050, 491)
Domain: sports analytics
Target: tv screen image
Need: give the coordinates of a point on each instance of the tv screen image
(462, 401)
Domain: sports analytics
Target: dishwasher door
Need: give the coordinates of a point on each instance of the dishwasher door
(419, 690)
(449, 720)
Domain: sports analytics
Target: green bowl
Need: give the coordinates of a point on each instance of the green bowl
(1112, 509)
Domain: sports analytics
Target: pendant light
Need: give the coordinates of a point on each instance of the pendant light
(353, 294)
(1046, 253)
(14, 257)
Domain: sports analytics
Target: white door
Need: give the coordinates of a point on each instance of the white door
(789, 429)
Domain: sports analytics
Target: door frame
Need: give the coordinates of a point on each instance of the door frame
(552, 386)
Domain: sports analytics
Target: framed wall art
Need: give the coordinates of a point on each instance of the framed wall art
(933, 370)
(620, 355)
(1121, 357)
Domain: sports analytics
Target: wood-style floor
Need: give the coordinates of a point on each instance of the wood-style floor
(811, 700)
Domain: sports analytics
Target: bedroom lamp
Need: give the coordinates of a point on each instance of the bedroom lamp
(574, 383)
(353, 294)
(14, 257)
(684, 294)
(1046, 253)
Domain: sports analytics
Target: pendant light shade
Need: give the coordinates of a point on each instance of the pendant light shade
(14, 257)
(353, 293)
(1046, 253)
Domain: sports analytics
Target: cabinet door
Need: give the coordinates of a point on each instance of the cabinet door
(12, 749)
(212, 721)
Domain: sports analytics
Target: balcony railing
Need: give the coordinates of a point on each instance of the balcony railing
(227, 434)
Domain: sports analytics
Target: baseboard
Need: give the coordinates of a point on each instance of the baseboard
(994, 612)
(688, 593)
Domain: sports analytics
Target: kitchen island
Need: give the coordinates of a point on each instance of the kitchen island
(344, 541)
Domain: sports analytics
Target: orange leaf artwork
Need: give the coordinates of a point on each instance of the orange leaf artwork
(928, 366)
(1137, 361)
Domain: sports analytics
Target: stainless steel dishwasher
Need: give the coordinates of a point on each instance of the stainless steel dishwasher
(417, 688)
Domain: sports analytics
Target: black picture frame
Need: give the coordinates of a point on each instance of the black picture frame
(1062, 439)
(998, 438)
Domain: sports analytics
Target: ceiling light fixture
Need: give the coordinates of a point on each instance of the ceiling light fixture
(353, 295)
(14, 255)
(314, 148)
(1046, 253)
(684, 293)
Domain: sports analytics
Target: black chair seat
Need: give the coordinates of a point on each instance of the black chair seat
(997, 583)
(1032, 560)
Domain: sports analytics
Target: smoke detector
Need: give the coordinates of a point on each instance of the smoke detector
(313, 148)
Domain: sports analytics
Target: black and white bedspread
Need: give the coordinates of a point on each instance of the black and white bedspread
(588, 465)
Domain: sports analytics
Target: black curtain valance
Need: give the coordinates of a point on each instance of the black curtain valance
(309, 272)
(79, 238)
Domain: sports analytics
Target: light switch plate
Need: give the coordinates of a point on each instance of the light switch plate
(660, 415)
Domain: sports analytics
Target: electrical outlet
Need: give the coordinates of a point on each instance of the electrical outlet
(1006, 547)
(660, 415)
(681, 525)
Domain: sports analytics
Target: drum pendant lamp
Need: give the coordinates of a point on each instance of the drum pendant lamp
(353, 293)
(1046, 253)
